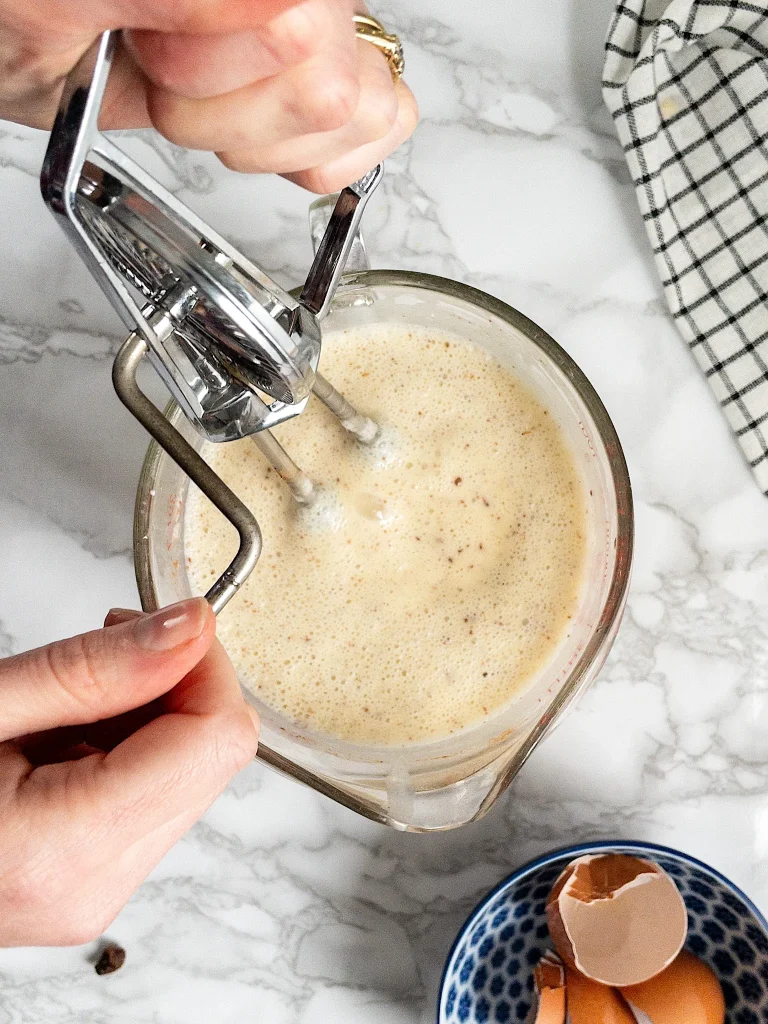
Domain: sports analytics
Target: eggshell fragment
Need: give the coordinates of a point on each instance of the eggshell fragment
(617, 919)
(687, 992)
(589, 1002)
(549, 978)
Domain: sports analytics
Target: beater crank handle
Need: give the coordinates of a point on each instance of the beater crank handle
(184, 455)
(332, 253)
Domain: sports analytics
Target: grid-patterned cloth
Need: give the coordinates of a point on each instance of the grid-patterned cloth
(687, 84)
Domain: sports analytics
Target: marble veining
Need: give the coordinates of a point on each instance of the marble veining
(281, 907)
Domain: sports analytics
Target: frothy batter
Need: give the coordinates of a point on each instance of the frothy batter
(439, 568)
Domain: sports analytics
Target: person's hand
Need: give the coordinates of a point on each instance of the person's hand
(269, 85)
(113, 744)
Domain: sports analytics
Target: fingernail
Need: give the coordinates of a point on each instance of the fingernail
(172, 626)
(117, 615)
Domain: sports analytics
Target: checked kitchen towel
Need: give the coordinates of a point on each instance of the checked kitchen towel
(687, 84)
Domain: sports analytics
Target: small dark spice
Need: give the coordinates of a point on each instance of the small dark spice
(112, 959)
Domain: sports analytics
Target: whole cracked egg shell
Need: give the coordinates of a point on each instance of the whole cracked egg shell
(687, 992)
(616, 919)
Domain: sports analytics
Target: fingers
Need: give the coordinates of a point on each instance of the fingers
(318, 96)
(171, 769)
(69, 743)
(321, 94)
(337, 172)
(175, 767)
(274, 85)
(301, 96)
(105, 672)
(85, 834)
(375, 115)
(205, 65)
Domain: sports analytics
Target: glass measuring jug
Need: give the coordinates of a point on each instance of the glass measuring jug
(445, 782)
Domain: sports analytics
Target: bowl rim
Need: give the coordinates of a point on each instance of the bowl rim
(575, 851)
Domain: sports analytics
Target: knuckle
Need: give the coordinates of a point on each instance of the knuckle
(24, 892)
(165, 112)
(379, 114)
(302, 32)
(77, 671)
(157, 54)
(235, 742)
(244, 161)
(327, 98)
(169, 77)
(37, 898)
(322, 181)
(408, 110)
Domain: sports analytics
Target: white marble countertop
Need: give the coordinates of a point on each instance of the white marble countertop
(280, 906)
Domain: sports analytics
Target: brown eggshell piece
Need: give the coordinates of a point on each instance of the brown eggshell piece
(617, 919)
(687, 992)
(589, 1002)
(549, 978)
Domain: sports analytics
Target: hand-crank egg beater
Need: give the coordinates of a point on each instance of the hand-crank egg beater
(237, 352)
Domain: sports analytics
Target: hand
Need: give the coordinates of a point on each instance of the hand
(114, 743)
(269, 85)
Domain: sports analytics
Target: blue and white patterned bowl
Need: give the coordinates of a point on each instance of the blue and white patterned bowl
(488, 978)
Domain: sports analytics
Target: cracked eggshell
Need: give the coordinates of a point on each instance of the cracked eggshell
(617, 919)
(549, 980)
(589, 1002)
(687, 992)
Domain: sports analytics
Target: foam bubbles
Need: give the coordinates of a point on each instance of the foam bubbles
(324, 512)
(436, 569)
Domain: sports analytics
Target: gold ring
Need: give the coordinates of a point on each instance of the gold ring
(372, 31)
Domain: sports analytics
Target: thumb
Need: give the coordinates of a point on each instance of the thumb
(103, 673)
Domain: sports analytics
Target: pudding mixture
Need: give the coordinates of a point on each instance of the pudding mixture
(438, 569)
